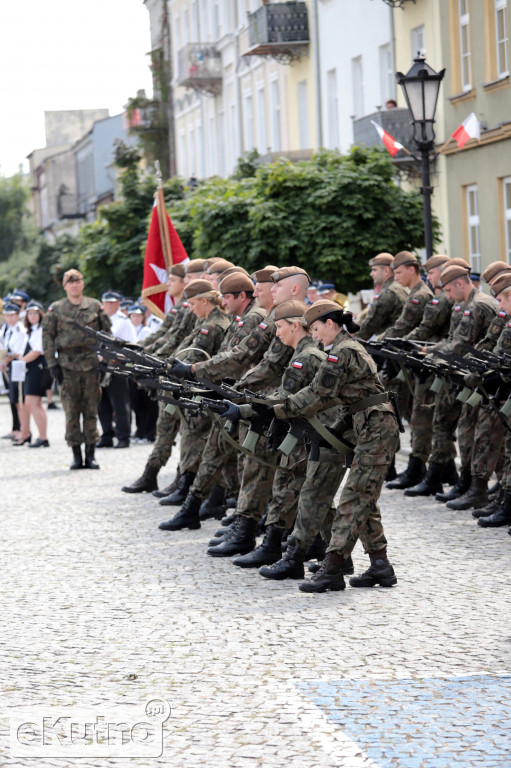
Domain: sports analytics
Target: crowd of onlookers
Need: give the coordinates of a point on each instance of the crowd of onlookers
(26, 379)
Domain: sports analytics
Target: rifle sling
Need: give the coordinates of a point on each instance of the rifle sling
(335, 441)
(239, 447)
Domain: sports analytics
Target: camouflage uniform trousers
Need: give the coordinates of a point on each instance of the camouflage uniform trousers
(219, 464)
(287, 485)
(358, 515)
(167, 428)
(80, 393)
(256, 480)
(488, 443)
(466, 430)
(445, 420)
(421, 421)
(506, 469)
(316, 509)
(192, 441)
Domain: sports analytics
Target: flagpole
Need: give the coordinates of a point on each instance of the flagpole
(162, 219)
(444, 145)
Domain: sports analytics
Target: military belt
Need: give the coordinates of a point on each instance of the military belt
(368, 402)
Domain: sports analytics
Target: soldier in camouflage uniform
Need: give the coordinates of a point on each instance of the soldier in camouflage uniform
(175, 288)
(349, 377)
(76, 365)
(206, 304)
(218, 467)
(387, 306)
(481, 428)
(289, 283)
(499, 513)
(433, 327)
(473, 313)
(290, 475)
(167, 426)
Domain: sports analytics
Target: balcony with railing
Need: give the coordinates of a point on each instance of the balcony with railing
(397, 122)
(278, 29)
(200, 68)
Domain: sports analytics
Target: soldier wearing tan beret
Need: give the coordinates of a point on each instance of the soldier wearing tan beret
(387, 305)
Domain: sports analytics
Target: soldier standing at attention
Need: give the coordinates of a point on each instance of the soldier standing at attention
(387, 306)
(75, 368)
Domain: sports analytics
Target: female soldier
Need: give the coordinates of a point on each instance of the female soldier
(37, 370)
(349, 376)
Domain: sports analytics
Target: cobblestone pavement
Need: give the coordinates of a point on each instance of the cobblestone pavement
(102, 609)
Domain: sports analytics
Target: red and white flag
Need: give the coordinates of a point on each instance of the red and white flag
(469, 129)
(164, 248)
(391, 144)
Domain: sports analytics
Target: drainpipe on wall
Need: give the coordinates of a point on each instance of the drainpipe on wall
(317, 75)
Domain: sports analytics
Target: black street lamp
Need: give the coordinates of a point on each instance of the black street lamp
(421, 85)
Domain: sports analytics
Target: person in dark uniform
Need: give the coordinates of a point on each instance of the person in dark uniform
(36, 381)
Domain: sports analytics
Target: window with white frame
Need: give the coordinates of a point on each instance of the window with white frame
(212, 146)
(387, 77)
(474, 245)
(465, 52)
(507, 216)
(216, 20)
(191, 152)
(262, 143)
(186, 27)
(357, 81)
(501, 37)
(248, 122)
(333, 109)
(275, 116)
(418, 41)
(233, 130)
(242, 13)
(201, 172)
(183, 160)
(303, 115)
(204, 21)
(221, 144)
(194, 31)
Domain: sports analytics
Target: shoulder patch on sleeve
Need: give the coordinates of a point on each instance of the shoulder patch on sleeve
(466, 312)
(204, 331)
(263, 326)
(457, 308)
(333, 359)
(415, 301)
(502, 313)
(297, 364)
(435, 301)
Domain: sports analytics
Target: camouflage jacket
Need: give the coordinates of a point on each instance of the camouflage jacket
(184, 324)
(384, 310)
(436, 320)
(494, 331)
(470, 322)
(347, 376)
(302, 367)
(151, 341)
(412, 311)
(206, 339)
(267, 374)
(219, 366)
(504, 341)
(75, 349)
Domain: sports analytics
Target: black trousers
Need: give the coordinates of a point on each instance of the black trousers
(114, 409)
(146, 412)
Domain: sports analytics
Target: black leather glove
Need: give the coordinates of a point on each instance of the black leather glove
(265, 414)
(57, 374)
(181, 370)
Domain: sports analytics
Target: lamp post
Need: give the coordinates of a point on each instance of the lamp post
(421, 85)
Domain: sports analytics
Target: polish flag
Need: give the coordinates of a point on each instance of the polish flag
(469, 129)
(164, 248)
(391, 144)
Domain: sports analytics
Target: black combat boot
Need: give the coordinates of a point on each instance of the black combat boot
(146, 482)
(450, 473)
(177, 497)
(187, 517)
(475, 498)
(228, 519)
(347, 567)
(391, 472)
(380, 572)
(431, 483)
(501, 517)
(231, 502)
(459, 489)
(223, 533)
(494, 491)
(169, 489)
(317, 549)
(240, 542)
(89, 457)
(77, 455)
(329, 576)
(266, 553)
(290, 566)
(412, 475)
(105, 441)
(492, 506)
(214, 505)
